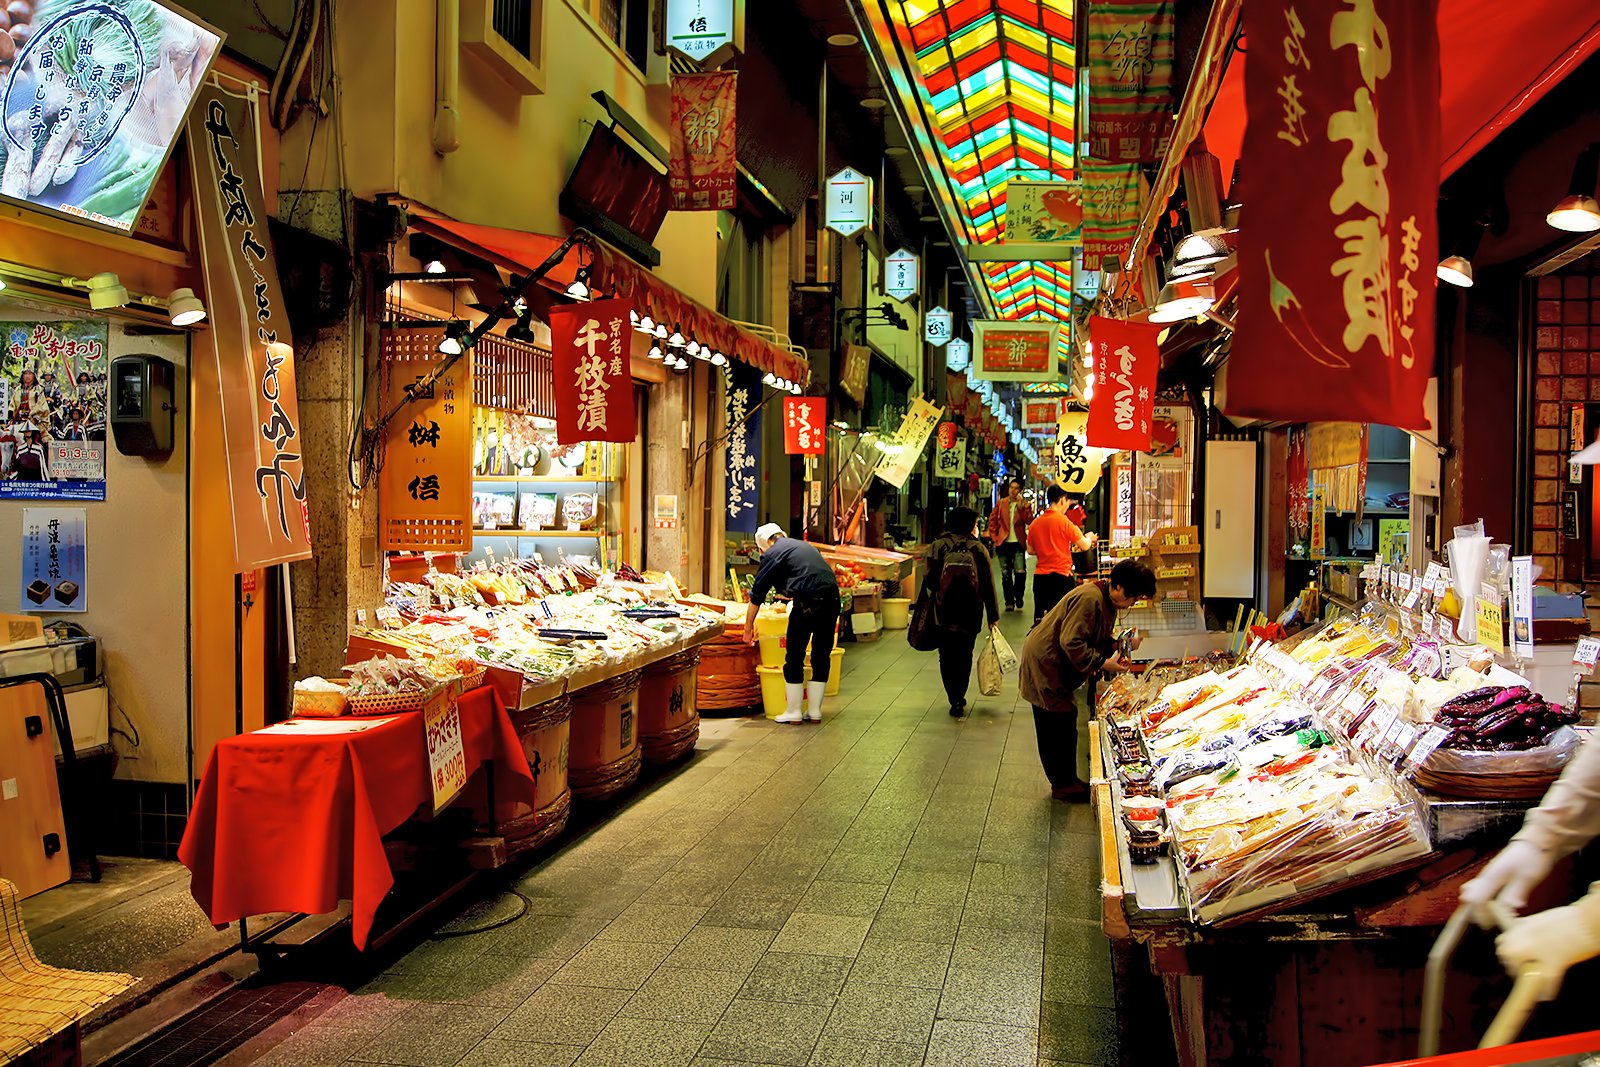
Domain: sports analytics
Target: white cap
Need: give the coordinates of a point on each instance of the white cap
(1588, 456)
(767, 534)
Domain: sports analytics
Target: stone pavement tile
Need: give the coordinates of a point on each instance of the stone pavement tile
(563, 1014)
(797, 978)
(961, 1043)
(600, 900)
(909, 921)
(613, 964)
(877, 866)
(904, 963)
(1075, 898)
(1019, 949)
(492, 980)
(986, 996)
(721, 948)
(868, 1012)
(498, 1053)
(312, 1046)
(1079, 979)
(939, 858)
(433, 1035)
(1013, 879)
(752, 908)
(759, 1031)
(930, 887)
(645, 1043)
(1002, 910)
(648, 920)
(835, 1050)
(842, 898)
(556, 936)
(1082, 938)
(1078, 1033)
(684, 995)
(822, 935)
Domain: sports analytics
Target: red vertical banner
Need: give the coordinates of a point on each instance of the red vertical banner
(702, 170)
(1127, 356)
(1299, 480)
(805, 425)
(1337, 322)
(594, 386)
(1130, 79)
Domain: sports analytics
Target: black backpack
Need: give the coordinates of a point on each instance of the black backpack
(959, 599)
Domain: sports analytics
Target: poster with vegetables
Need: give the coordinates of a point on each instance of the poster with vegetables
(93, 96)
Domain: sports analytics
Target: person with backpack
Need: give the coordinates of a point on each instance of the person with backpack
(961, 582)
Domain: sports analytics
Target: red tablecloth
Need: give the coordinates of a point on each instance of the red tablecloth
(296, 824)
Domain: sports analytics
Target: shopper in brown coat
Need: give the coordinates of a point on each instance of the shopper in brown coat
(1061, 658)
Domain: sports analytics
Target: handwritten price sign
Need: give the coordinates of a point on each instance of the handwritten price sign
(447, 755)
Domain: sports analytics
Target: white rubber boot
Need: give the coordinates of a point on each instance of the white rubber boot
(814, 692)
(794, 692)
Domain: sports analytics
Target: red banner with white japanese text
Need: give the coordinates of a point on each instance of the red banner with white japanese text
(703, 166)
(594, 386)
(1336, 316)
(1130, 79)
(805, 425)
(1127, 356)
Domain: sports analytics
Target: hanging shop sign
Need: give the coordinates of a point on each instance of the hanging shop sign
(702, 170)
(805, 424)
(1077, 465)
(1130, 79)
(1299, 491)
(1522, 606)
(1127, 356)
(1339, 322)
(1040, 413)
(849, 202)
(744, 446)
(53, 410)
(249, 337)
(958, 355)
(853, 372)
(707, 31)
(938, 327)
(594, 386)
(425, 488)
(901, 274)
(915, 429)
(96, 104)
(951, 459)
(1123, 481)
(1111, 208)
(1319, 522)
(55, 575)
(1013, 351)
(1044, 212)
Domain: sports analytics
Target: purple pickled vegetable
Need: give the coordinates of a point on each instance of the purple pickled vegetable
(1510, 696)
(1471, 697)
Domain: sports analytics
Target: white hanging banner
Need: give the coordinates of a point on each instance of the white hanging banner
(937, 327)
(849, 202)
(901, 272)
(958, 356)
(701, 28)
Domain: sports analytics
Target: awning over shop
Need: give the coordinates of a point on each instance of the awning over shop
(612, 272)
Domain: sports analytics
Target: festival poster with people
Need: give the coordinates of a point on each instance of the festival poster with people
(53, 410)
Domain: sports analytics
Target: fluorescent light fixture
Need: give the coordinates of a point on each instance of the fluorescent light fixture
(1180, 299)
(184, 308)
(1457, 270)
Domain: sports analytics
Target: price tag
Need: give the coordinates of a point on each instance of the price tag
(388, 618)
(1587, 654)
(361, 616)
(1431, 739)
(1413, 592)
(1491, 619)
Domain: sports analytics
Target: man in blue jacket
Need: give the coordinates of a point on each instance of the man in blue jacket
(795, 569)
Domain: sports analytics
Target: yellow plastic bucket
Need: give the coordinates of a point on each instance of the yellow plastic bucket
(774, 699)
(772, 649)
(771, 625)
(896, 613)
(835, 669)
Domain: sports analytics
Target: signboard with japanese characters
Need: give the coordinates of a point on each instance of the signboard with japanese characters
(1127, 356)
(1123, 480)
(53, 410)
(1013, 351)
(805, 425)
(1077, 465)
(1338, 324)
(849, 202)
(702, 171)
(249, 336)
(425, 488)
(1111, 208)
(1044, 213)
(915, 429)
(447, 754)
(901, 273)
(700, 28)
(594, 386)
(951, 459)
(958, 355)
(853, 368)
(1130, 79)
(55, 576)
(938, 327)
(1039, 413)
(743, 452)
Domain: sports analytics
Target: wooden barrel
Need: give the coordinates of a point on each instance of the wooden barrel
(544, 731)
(605, 756)
(726, 681)
(669, 714)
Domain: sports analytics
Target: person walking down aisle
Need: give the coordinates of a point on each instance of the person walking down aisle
(961, 582)
(797, 570)
(1008, 533)
(1053, 537)
(1060, 660)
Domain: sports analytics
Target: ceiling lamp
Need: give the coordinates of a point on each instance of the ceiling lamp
(645, 324)
(1196, 254)
(1182, 298)
(106, 291)
(769, 379)
(718, 359)
(522, 329)
(874, 103)
(676, 340)
(184, 308)
(679, 365)
(843, 40)
(579, 289)
(433, 266)
(1577, 212)
(655, 352)
(661, 331)
(1457, 270)
(456, 339)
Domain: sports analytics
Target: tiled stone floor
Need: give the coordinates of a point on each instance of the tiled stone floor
(893, 887)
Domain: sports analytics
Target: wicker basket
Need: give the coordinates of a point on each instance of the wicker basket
(326, 705)
(389, 703)
(469, 682)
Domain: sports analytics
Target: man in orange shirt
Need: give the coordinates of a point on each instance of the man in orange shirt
(1053, 538)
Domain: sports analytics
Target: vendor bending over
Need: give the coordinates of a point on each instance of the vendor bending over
(797, 570)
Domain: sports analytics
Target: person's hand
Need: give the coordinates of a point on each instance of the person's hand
(749, 635)
(1550, 942)
(1136, 640)
(1114, 664)
(1093, 539)
(1509, 877)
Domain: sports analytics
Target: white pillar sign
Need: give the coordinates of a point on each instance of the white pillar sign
(849, 202)
(936, 328)
(900, 274)
(958, 355)
(697, 28)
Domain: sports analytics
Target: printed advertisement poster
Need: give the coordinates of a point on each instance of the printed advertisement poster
(53, 411)
(55, 576)
(1044, 212)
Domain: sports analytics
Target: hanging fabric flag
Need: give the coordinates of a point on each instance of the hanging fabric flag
(1130, 80)
(1110, 210)
(1127, 356)
(1299, 481)
(590, 359)
(1336, 323)
(805, 424)
(703, 169)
